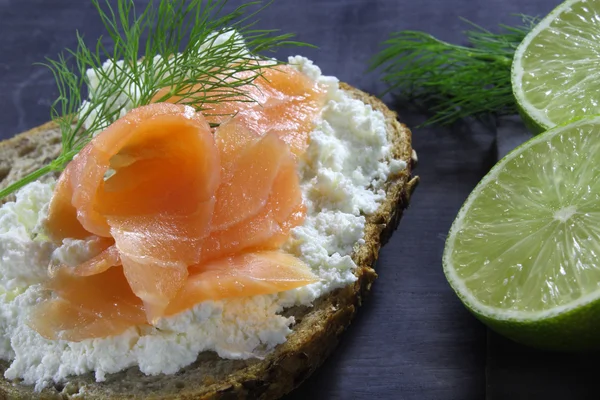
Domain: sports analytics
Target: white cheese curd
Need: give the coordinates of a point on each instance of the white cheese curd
(342, 180)
(24, 254)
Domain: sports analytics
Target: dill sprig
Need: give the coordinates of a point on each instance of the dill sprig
(453, 81)
(190, 52)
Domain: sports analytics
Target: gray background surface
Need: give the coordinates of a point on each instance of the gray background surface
(412, 339)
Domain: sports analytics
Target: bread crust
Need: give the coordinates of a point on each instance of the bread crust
(317, 330)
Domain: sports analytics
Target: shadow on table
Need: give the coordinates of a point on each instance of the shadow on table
(323, 381)
(516, 372)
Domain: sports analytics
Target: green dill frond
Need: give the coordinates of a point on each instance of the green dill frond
(453, 81)
(193, 50)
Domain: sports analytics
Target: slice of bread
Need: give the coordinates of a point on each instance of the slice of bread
(315, 334)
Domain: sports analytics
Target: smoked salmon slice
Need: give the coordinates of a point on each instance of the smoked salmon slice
(280, 99)
(63, 222)
(88, 307)
(287, 102)
(229, 277)
(189, 213)
(158, 203)
(268, 227)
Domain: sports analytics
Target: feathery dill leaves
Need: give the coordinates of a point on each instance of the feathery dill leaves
(453, 81)
(171, 51)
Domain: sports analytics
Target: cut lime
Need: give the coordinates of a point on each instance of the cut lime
(556, 68)
(524, 251)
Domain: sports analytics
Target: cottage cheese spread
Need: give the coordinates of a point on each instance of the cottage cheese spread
(346, 166)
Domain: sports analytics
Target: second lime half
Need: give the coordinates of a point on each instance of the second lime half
(524, 251)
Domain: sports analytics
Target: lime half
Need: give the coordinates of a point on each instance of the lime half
(556, 68)
(524, 251)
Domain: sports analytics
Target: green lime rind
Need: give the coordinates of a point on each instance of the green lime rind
(533, 118)
(574, 331)
(573, 326)
(556, 64)
(536, 129)
(532, 126)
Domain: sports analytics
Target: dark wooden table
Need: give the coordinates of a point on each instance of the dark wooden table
(412, 339)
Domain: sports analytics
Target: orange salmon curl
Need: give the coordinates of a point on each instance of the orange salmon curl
(190, 214)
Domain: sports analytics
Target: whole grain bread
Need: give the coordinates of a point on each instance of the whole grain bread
(315, 334)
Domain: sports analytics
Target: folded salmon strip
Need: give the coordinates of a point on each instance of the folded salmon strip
(262, 272)
(247, 183)
(289, 108)
(62, 220)
(86, 307)
(149, 181)
(264, 227)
